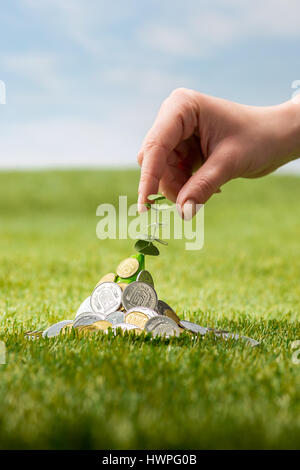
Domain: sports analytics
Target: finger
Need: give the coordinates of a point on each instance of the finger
(171, 182)
(202, 185)
(175, 122)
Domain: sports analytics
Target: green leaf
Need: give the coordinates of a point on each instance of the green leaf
(156, 197)
(140, 245)
(151, 250)
(147, 204)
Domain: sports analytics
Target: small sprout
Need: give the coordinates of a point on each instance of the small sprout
(156, 197)
(145, 244)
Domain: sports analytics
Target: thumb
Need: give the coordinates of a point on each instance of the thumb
(201, 186)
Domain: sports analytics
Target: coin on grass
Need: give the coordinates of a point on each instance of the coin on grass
(110, 277)
(139, 294)
(251, 341)
(87, 319)
(115, 317)
(193, 327)
(171, 314)
(162, 326)
(124, 327)
(149, 312)
(136, 318)
(67, 329)
(88, 329)
(227, 335)
(85, 306)
(137, 331)
(145, 276)
(54, 330)
(166, 331)
(102, 325)
(106, 298)
(128, 267)
(164, 309)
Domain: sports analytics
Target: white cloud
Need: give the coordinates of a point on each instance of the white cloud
(62, 142)
(83, 21)
(41, 69)
(146, 80)
(201, 29)
(191, 28)
(117, 32)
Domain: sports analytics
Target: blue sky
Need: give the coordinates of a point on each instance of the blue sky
(85, 78)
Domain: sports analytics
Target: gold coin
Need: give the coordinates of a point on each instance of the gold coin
(136, 318)
(67, 328)
(123, 285)
(87, 329)
(137, 331)
(110, 277)
(171, 314)
(102, 324)
(128, 267)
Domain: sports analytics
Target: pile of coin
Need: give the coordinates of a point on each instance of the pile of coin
(127, 301)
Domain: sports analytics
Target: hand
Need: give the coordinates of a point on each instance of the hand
(224, 140)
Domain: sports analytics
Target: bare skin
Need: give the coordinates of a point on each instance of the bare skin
(219, 139)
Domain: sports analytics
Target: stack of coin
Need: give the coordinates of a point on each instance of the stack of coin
(127, 301)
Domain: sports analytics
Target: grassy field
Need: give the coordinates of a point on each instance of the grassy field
(124, 392)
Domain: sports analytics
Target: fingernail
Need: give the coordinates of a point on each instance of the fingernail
(179, 210)
(189, 209)
(141, 206)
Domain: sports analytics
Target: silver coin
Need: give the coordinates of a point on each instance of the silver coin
(162, 307)
(115, 317)
(84, 307)
(87, 319)
(54, 330)
(251, 341)
(188, 325)
(227, 335)
(139, 294)
(124, 326)
(147, 311)
(145, 276)
(106, 298)
(219, 333)
(162, 326)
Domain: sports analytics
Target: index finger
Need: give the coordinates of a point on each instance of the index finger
(176, 121)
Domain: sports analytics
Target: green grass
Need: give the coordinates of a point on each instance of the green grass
(124, 392)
